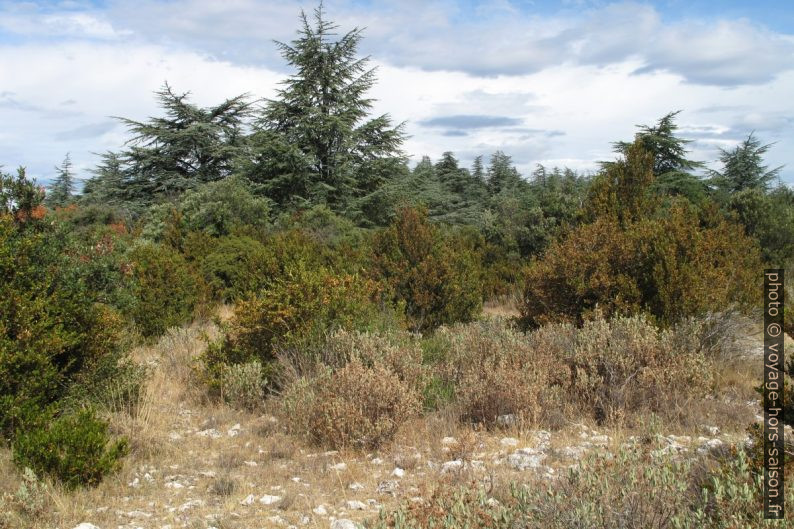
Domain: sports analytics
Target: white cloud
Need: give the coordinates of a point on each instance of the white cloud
(572, 84)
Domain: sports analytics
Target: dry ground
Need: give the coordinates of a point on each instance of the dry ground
(199, 464)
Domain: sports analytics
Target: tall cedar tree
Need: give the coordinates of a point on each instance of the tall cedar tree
(187, 147)
(321, 146)
(671, 167)
(61, 192)
(743, 168)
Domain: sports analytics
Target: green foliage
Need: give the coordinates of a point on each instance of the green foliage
(171, 154)
(636, 256)
(322, 146)
(743, 168)
(20, 198)
(769, 218)
(438, 280)
(167, 291)
(73, 448)
(61, 192)
(218, 207)
(297, 309)
(671, 167)
(236, 265)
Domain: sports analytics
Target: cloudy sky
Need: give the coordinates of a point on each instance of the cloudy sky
(547, 82)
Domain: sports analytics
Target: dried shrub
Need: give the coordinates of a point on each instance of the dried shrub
(355, 406)
(242, 385)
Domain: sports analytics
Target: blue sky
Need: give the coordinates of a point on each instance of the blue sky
(547, 82)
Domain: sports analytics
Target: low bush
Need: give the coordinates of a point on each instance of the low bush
(354, 406)
(236, 266)
(242, 385)
(437, 280)
(611, 370)
(669, 268)
(607, 492)
(167, 290)
(74, 448)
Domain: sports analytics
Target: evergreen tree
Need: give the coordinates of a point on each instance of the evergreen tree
(318, 126)
(502, 174)
(478, 171)
(188, 146)
(743, 168)
(61, 192)
(106, 186)
(671, 167)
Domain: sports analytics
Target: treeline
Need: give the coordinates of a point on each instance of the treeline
(303, 213)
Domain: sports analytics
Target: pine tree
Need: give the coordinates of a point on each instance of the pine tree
(319, 123)
(743, 168)
(61, 192)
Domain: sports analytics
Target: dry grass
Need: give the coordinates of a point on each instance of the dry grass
(190, 465)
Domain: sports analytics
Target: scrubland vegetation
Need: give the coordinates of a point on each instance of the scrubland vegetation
(351, 323)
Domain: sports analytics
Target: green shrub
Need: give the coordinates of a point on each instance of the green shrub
(297, 309)
(167, 291)
(75, 449)
(236, 266)
(438, 280)
(669, 267)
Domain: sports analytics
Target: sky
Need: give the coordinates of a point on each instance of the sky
(546, 82)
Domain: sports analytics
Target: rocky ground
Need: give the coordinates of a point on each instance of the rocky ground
(198, 464)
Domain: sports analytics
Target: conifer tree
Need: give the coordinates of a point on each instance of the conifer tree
(318, 126)
(61, 192)
(188, 146)
(743, 168)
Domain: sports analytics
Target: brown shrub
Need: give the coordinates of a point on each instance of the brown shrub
(356, 406)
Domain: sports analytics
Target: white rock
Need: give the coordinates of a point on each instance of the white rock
(250, 463)
(377, 461)
(343, 523)
(267, 499)
(573, 452)
(525, 459)
(398, 472)
(709, 446)
(320, 510)
(711, 430)
(174, 485)
(148, 478)
(509, 441)
(355, 505)
(248, 500)
(86, 525)
(190, 504)
(212, 433)
(234, 431)
(452, 466)
(139, 514)
(135, 483)
(492, 502)
(356, 486)
(448, 441)
(174, 436)
(339, 466)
